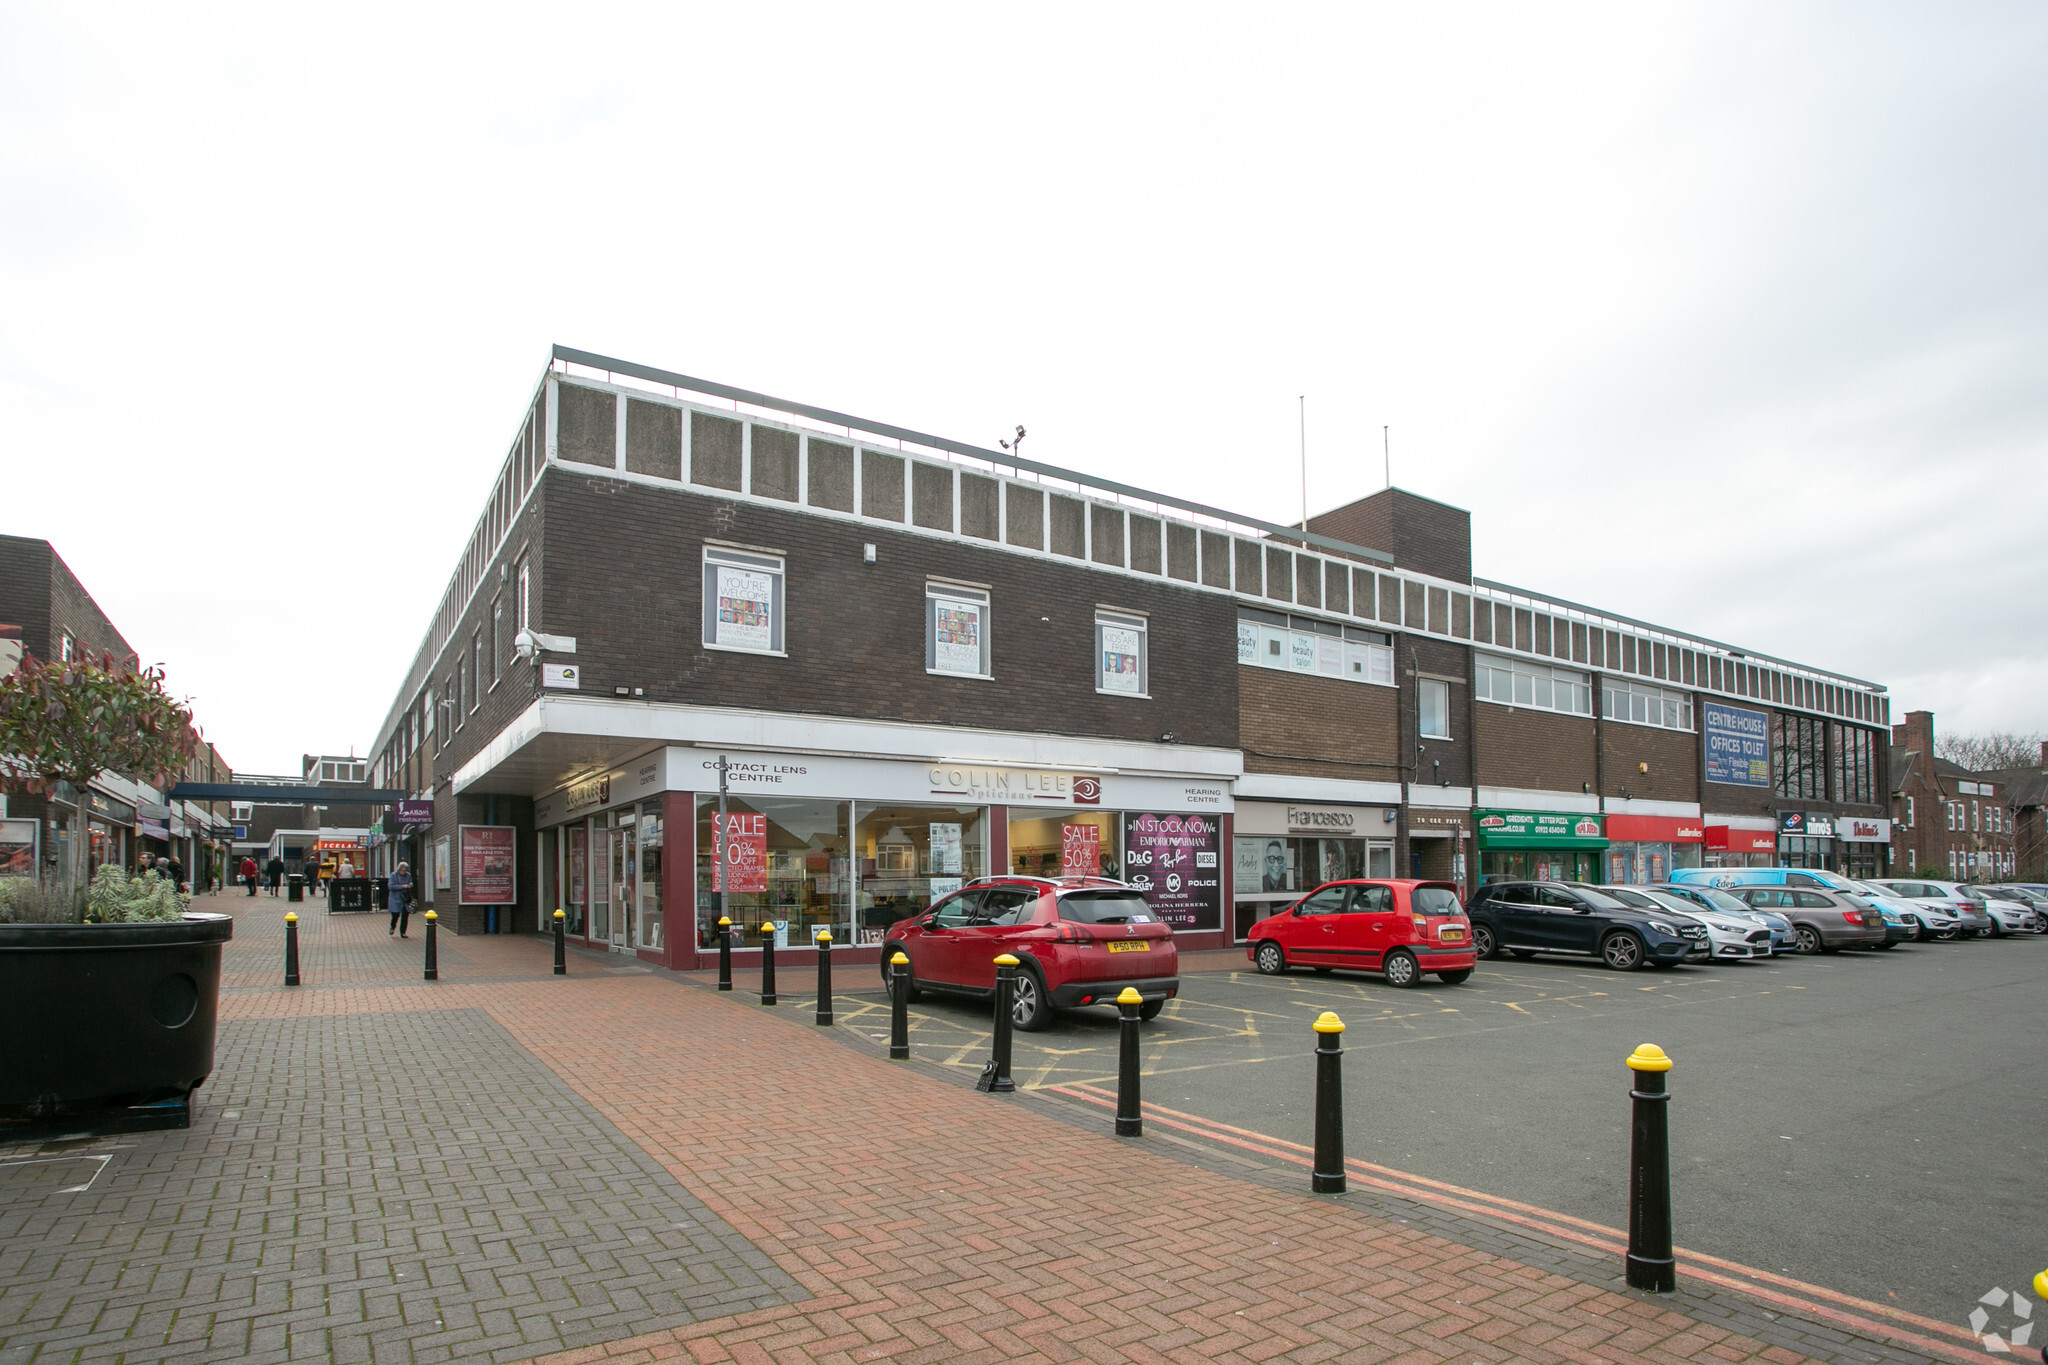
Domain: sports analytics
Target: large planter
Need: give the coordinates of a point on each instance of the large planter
(107, 1025)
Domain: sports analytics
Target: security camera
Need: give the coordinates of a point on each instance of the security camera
(523, 644)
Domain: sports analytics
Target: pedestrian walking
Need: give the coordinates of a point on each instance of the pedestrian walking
(398, 898)
(275, 870)
(249, 873)
(173, 871)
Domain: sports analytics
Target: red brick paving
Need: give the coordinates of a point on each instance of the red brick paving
(933, 1223)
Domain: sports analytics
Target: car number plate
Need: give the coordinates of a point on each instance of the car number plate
(1129, 945)
(1451, 936)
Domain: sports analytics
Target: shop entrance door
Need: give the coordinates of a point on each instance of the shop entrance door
(601, 840)
(625, 895)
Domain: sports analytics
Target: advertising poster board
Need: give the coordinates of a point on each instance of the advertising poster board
(1080, 851)
(18, 847)
(956, 641)
(746, 608)
(1738, 745)
(1172, 860)
(1120, 660)
(739, 852)
(487, 865)
(945, 851)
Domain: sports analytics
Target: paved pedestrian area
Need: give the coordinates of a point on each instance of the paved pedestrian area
(624, 1165)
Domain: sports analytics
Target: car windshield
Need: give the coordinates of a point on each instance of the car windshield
(1722, 901)
(1435, 900)
(1105, 907)
(1664, 900)
(1628, 895)
(1856, 901)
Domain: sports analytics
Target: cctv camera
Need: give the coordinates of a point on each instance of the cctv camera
(523, 645)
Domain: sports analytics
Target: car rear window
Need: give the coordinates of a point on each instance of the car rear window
(1105, 907)
(1720, 900)
(1434, 900)
(1600, 900)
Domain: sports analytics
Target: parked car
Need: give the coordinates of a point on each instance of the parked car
(1400, 929)
(1948, 897)
(2012, 910)
(1728, 936)
(1527, 918)
(1826, 921)
(1894, 910)
(1079, 940)
(1784, 938)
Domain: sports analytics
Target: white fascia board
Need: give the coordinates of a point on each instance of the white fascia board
(1440, 798)
(1635, 805)
(1525, 798)
(724, 727)
(1757, 822)
(1334, 791)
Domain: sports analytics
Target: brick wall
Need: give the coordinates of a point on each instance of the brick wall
(1673, 758)
(1539, 750)
(1420, 533)
(1308, 726)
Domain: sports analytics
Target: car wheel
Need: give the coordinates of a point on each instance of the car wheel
(1456, 978)
(1030, 1008)
(1271, 959)
(1152, 1007)
(1401, 971)
(1482, 941)
(1623, 951)
(1809, 939)
(1946, 936)
(890, 950)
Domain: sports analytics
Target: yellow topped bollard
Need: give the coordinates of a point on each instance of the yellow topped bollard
(899, 1007)
(767, 962)
(291, 948)
(1328, 1022)
(1648, 1057)
(433, 960)
(1649, 1264)
(1327, 1175)
(561, 949)
(1130, 1116)
(995, 1076)
(823, 939)
(724, 953)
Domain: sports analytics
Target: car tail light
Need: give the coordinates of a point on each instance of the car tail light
(1421, 925)
(1853, 916)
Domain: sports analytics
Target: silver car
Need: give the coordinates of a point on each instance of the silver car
(1729, 937)
(1784, 938)
(1947, 897)
(2013, 912)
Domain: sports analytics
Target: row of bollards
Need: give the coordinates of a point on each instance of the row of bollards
(433, 973)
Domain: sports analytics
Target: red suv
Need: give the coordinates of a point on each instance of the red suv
(1401, 929)
(1080, 941)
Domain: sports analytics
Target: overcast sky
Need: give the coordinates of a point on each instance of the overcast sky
(1730, 317)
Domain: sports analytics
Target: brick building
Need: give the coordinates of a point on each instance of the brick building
(917, 662)
(1949, 822)
(46, 612)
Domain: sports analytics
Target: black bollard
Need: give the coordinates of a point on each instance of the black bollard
(291, 948)
(825, 976)
(767, 962)
(995, 1077)
(1649, 1262)
(561, 949)
(433, 962)
(1328, 1175)
(724, 953)
(899, 1008)
(1130, 1121)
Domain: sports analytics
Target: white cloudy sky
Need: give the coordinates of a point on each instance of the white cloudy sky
(1733, 317)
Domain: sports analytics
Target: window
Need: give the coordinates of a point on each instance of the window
(1640, 704)
(241, 812)
(1120, 654)
(1799, 756)
(497, 640)
(427, 711)
(476, 672)
(1515, 682)
(66, 648)
(1434, 708)
(1909, 812)
(525, 613)
(743, 608)
(1328, 901)
(1301, 644)
(1976, 824)
(460, 692)
(956, 630)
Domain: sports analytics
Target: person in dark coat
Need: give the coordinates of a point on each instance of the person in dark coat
(398, 898)
(275, 870)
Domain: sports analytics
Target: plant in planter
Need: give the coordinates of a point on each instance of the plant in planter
(107, 999)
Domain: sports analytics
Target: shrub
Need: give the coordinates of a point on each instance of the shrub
(24, 900)
(117, 898)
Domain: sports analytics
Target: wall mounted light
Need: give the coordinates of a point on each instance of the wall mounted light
(1642, 767)
(867, 554)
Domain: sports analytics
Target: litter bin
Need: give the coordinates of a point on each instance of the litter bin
(294, 887)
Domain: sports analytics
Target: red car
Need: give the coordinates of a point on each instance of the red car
(1401, 929)
(1080, 941)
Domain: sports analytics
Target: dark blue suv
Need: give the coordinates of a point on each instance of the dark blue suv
(1527, 918)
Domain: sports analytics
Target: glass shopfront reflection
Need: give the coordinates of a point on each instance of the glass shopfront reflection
(910, 855)
(789, 870)
(1065, 844)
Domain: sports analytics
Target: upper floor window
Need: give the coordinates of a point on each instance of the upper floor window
(1640, 704)
(1300, 644)
(1909, 812)
(476, 671)
(1519, 682)
(1434, 708)
(743, 607)
(66, 647)
(525, 612)
(956, 630)
(1120, 649)
(460, 692)
(241, 812)
(497, 640)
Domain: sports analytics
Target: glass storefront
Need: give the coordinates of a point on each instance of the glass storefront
(1647, 863)
(1272, 871)
(1072, 843)
(1795, 850)
(1541, 846)
(1538, 865)
(604, 874)
(910, 855)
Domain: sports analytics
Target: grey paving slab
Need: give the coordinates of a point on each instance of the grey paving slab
(387, 1187)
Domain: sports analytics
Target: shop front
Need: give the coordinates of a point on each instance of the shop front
(1438, 840)
(804, 843)
(1738, 841)
(110, 829)
(1806, 839)
(1282, 849)
(1864, 844)
(1643, 850)
(1540, 845)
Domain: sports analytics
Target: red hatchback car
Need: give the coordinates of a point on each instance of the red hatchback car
(1401, 929)
(1079, 940)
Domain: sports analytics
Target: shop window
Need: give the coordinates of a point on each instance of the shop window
(781, 862)
(743, 601)
(907, 856)
(1640, 704)
(1434, 708)
(956, 639)
(1518, 683)
(1120, 654)
(1071, 844)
